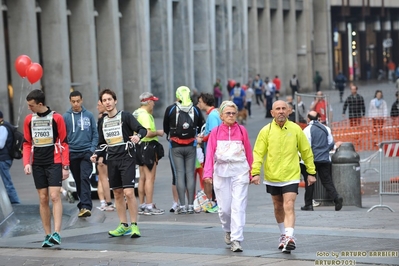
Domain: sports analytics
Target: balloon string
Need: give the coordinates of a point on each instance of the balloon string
(20, 102)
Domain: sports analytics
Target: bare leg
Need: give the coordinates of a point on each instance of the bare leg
(103, 178)
(278, 208)
(149, 183)
(57, 207)
(121, 205)
(289, 202)
(45, 209)
(131, 203)
(142, 183)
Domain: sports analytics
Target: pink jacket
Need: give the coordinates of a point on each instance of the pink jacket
(224, 132)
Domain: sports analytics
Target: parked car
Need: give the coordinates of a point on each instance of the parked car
(69, 183)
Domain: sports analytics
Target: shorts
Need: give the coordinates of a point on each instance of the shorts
(46, 176)
(121, 173)
(274, 191)
(104, 159)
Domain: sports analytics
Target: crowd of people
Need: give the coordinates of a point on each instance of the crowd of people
(56, 145)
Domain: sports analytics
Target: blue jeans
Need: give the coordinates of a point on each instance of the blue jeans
(82, 168)
(183, 159)
(5, 175)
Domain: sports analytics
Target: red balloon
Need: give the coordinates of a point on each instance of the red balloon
(34, 72)
(21, 63)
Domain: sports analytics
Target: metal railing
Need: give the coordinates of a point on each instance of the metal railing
(389, 171)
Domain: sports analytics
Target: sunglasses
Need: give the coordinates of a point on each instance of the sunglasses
(230, 113)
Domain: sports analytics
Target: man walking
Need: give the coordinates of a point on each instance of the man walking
(321, 141)
(82, 140)
(355, 105)
(6, 140)
(46, 157)
(116, 140)
(148, 154)
(257, 86)
(294, 84)
(277, 147)
(340, 81)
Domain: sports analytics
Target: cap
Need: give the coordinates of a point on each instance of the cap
(1, 114)
(183, 94)
(151, 98)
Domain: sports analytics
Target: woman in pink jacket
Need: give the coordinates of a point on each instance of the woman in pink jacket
(228, 166)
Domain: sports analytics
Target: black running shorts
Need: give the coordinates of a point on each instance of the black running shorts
(274, 191)
(122, 173)
(46, 176)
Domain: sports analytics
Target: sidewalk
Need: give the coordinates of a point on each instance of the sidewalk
(169, 239)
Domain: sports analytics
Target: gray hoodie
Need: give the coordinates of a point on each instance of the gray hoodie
(81, 130)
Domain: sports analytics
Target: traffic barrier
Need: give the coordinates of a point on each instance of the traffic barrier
(366, 133)
(389, 168)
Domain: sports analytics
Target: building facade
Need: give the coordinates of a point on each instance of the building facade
(132, 46)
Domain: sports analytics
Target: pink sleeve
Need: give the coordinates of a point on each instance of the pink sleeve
(248, 149)
(210, 153)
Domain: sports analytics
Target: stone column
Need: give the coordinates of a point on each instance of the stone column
(4, 103)
(305, 46)
(161, 53)
(212, 43)
(277, 41)
(244, 39)
(323, 47)
(221, 46)
(109, 48)
(237, 42)
(265, 44)
(23, 39)
(290, 45)
(253, 39)
(202, 70)
(83, 52)
(183, 65)
(135, 43)
(229, 38)
(55, 54)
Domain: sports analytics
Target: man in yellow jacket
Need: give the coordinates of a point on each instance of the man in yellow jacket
(277, 147)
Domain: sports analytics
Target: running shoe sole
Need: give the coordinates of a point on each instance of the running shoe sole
(54, 240)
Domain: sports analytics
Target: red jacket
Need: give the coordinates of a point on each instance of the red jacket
(58, 153)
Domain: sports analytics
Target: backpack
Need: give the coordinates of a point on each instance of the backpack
(185, 128)
(18, 139)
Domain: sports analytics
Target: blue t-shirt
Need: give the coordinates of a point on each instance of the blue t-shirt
(238, 97)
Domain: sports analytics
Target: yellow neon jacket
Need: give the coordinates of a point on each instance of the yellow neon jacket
(277, 148)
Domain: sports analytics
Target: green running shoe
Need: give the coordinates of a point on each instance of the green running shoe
(55, 238)
(46, 243)
(121, 230)
(213, 209)
(135, 231)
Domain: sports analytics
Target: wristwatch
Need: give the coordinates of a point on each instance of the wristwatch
(65, 167)
(138, 135)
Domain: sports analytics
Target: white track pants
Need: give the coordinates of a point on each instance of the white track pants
(232, 195)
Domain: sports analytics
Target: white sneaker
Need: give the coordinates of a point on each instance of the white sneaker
(174, 207)
(181, 210)
(315, 203)
(281, 241)
(289, 244)
(235, 246)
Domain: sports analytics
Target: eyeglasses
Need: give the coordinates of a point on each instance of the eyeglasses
(230, 113)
